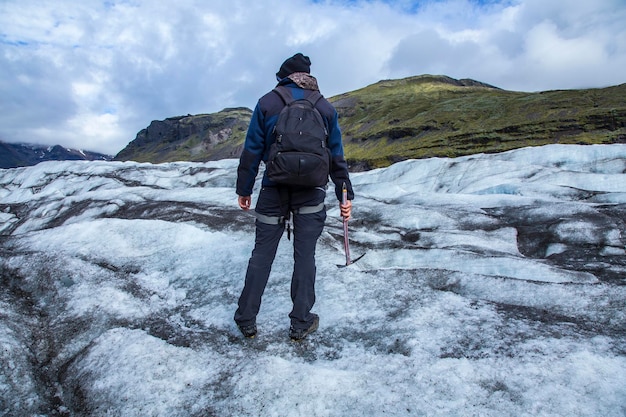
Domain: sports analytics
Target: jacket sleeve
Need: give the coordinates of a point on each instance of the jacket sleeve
(339, 167)
(252, 154)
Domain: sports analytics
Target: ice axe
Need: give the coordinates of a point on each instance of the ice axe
(346, 243)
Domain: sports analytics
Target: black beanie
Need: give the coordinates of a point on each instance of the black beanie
(297, 63)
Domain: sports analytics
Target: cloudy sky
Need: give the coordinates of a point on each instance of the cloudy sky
(90, 74)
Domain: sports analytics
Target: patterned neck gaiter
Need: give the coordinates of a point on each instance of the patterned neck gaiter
(304, 80)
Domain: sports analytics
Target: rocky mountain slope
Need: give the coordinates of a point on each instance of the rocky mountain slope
(416, 117)
(13, 155)
(204, 137)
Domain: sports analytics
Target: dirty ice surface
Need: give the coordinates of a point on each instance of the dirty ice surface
(492, 285)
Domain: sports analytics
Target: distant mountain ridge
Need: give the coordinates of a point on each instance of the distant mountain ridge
(416, 117)
(386, 122)
(13, 155)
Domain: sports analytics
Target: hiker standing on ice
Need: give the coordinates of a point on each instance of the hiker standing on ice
(289, 195)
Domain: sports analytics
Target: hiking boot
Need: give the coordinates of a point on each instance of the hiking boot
(298, 334)
(248, 331)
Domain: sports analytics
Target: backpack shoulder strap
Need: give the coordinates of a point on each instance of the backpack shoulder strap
(314, 97)
(284, 94)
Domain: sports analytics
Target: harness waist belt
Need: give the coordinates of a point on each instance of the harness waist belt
(280, 219)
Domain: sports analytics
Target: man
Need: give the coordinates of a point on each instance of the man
(276, 202)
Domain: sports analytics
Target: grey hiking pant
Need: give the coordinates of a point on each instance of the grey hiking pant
(307, 228)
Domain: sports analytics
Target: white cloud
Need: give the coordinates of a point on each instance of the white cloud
(120, 64)
(550, 51)
(528, 45)
(89, 125)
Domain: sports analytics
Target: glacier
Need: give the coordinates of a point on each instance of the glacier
(493, 284)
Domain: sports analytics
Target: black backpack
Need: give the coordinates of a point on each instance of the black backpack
(299, 154)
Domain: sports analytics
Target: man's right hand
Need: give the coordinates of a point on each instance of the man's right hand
(245, 202)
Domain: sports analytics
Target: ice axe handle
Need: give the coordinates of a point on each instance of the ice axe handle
(346, 244)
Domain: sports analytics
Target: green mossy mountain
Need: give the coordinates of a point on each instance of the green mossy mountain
(416, 117)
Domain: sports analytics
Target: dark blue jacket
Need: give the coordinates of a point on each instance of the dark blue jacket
(260, 137)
